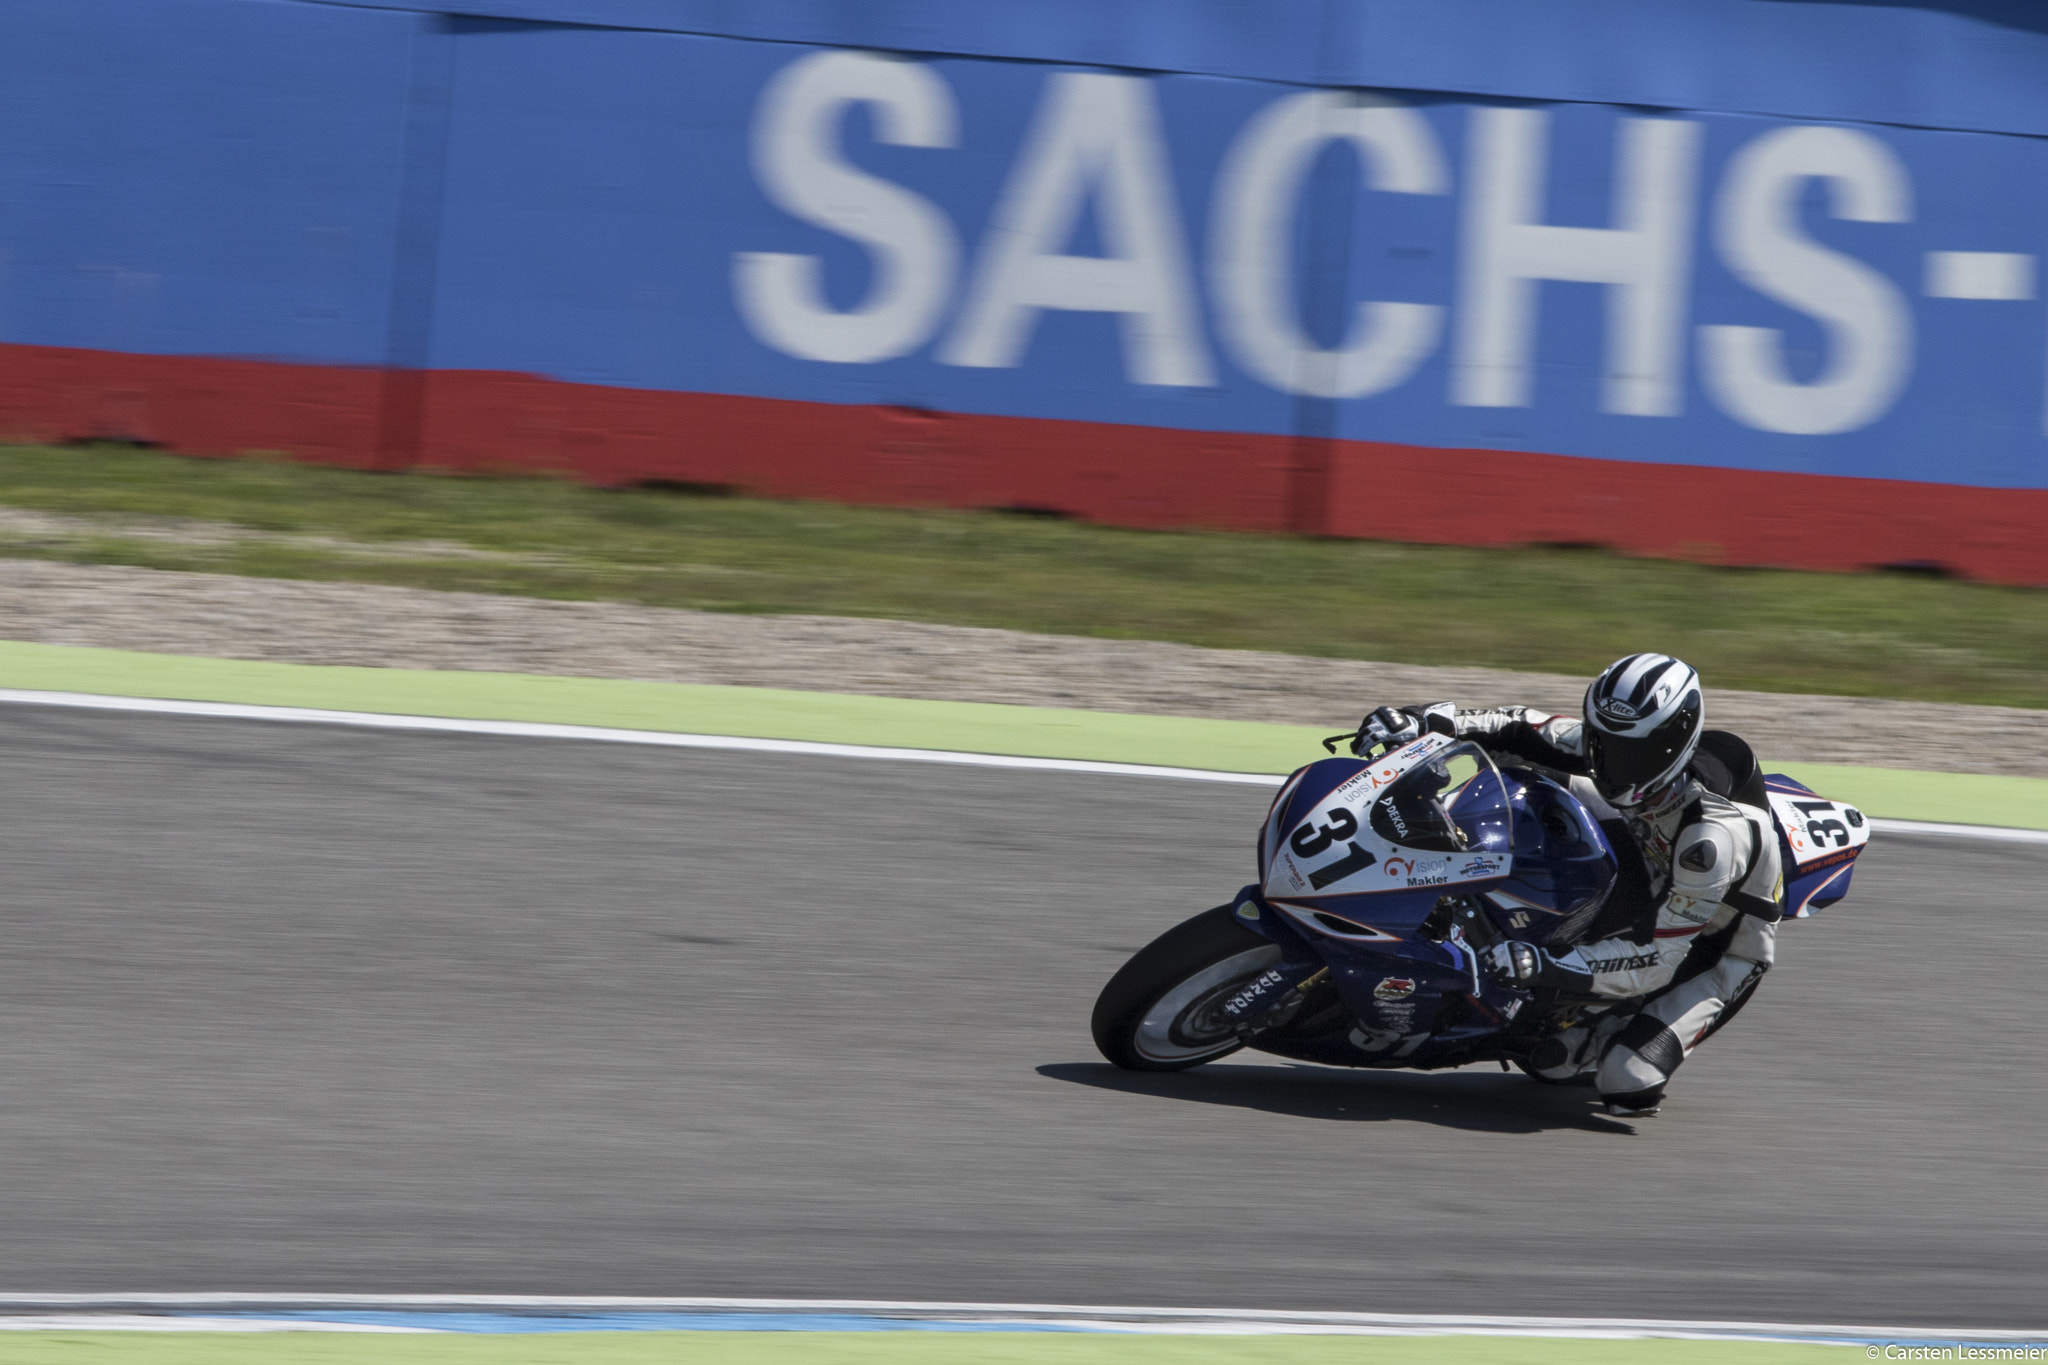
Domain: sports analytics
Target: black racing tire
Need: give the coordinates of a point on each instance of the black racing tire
(1160, 1012)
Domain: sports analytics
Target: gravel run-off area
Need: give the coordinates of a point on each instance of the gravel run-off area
(228, 617)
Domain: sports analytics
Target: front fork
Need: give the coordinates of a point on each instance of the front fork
(1275, 996)
(1280, 995)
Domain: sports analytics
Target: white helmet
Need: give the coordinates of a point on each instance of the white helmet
(1643, 720)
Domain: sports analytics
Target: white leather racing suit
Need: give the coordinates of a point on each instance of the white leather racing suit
(1706, 935)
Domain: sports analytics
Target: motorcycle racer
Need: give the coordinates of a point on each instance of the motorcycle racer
(1692, 925)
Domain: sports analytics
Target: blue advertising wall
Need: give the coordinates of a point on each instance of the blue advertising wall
(1964, 64)
(1767, 238)
(213, 177)
(601, 186)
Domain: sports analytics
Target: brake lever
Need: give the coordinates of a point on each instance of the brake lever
(1359, 745)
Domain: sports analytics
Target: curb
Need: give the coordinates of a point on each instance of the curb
(527, 1313)
(413, 698)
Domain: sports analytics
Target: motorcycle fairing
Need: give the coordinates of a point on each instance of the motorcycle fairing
(1407, 1001)
(1432, 814)
(1533, 860)
(1337, 926)
(1564, 865)
(1819, 841)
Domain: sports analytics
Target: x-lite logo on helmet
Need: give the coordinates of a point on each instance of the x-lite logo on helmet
(1640, 688)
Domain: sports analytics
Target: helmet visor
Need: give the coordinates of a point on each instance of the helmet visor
(1625, 765)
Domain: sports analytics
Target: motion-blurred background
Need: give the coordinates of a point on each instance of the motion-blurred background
(1191, 360)
(1726, 282)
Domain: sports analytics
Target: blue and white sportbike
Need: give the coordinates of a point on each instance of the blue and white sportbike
(1381, 880)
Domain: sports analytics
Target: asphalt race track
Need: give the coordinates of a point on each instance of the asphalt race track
(296, 1008)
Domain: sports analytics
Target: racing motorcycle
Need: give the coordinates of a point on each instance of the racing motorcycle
(1383, 877)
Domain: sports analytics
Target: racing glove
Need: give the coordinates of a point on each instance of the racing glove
(1530, 967)
(1394, 726)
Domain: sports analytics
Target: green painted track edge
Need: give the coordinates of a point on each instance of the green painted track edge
(836, 718)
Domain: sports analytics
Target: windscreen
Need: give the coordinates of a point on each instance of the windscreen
(1454, 803)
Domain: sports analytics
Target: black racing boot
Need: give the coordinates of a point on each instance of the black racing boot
(1636, 1104)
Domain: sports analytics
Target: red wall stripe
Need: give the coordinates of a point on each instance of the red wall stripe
(1145, 477)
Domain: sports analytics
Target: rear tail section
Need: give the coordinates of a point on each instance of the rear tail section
(1819, 840)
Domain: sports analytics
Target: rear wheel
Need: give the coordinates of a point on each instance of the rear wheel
(1164, 1010)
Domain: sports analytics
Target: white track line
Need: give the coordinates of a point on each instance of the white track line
(182, 1322)
(140, 1308)
(2011, 836)
(522, 729)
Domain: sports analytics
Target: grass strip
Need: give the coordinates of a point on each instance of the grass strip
(1561, 610)
(877, 1348)
(767, 713)
(1952, 798)
(678, 708)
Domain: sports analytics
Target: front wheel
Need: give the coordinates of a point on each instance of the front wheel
(1164, 1010)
